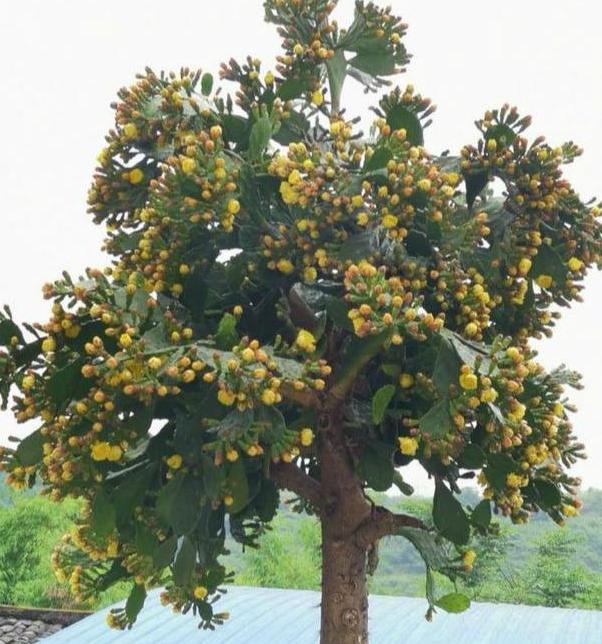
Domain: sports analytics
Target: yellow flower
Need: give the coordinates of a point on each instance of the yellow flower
(154, 363)
(285, 266)
(125, 340)
(135, 176)
(362, 218)
(524, 266)
(468, 559)
(468, 381)
(288, 193)
(545, 281)
(514, 480)
(114, 453)
(100, 451)
(130, 130)
(310, 274)
(294, 178)
(232, 455)
(389, 221)
(407, 445)
(569, 510)
(48, 345)
(228, 500)
(174, 462)
(471, 329)
(491, 145)
(269, 78)
(489, 395)
(317, 98)
(406, 380)
(307, 436)
(268, 397)
(298, 49)
(226, 397)
(424, 185)
(200, 592)
(233, 206)
(188, 165)
(237, 310)
(306, 341)
(248, 355)
(575, 264)
(28, 382)
(559, 409)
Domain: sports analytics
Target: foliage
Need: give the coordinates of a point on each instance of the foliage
(270, 273)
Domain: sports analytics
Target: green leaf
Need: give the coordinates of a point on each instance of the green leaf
(337, 72)
(376, 466)
(212, 477)
(206, 84)
(447, 367)
(503, 134)
(481, 515)
(375, 64)
(30, 450)
(131, 491)
(400, 117)
(449, 516)
(66, 383)
(472, 458)
(378, 160)
(185, 562)
(260, 136)
(164, 552)
(437, 421)
(547, 494)
(103, 516)
(8, 330)
(178, 503)
(267, 501)
(238, 485)
(292, 129)
(227, 336)
(475, 183)
(453, 603)
(236, 129)
(401, 485)
(548, 262)
(338, 311)
(497, 469)
(135, 602)
(292, 88)
(273, 423)
(380, 402)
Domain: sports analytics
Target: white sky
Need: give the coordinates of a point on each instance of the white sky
(61, 63)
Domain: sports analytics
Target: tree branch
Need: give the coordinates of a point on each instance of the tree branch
(306, 397)
(383, 523)
(290, 477)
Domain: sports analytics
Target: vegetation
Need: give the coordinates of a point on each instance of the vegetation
(537, 564)
(294, 304)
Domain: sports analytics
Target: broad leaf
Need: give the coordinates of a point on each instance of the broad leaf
(453, 603)
(226, 336)
(103, 516)
(380, 402)
(30, 450)
(437, 422)
(449, 516)
(260, 136)
(400, 117)
(135, 602)
(497, 469)
(178, 503)
(376, 466)
(238, 485)
(206, 84)
(185, 561)
(481, 515)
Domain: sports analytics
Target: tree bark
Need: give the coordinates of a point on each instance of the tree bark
(344, 616)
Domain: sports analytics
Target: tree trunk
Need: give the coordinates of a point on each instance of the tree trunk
(344, 591)
(344, 617)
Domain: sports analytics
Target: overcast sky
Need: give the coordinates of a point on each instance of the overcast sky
(62, 62)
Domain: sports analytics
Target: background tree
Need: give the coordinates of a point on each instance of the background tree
(294, 305)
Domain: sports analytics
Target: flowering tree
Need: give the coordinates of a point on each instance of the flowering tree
(295, 306)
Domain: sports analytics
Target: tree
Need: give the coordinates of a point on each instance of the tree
(294, 305)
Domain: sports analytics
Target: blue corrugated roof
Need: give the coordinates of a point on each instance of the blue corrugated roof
(273, 616)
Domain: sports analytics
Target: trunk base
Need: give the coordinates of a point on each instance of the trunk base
(344, 616)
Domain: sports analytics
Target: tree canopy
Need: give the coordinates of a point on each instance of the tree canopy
(292, 300)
